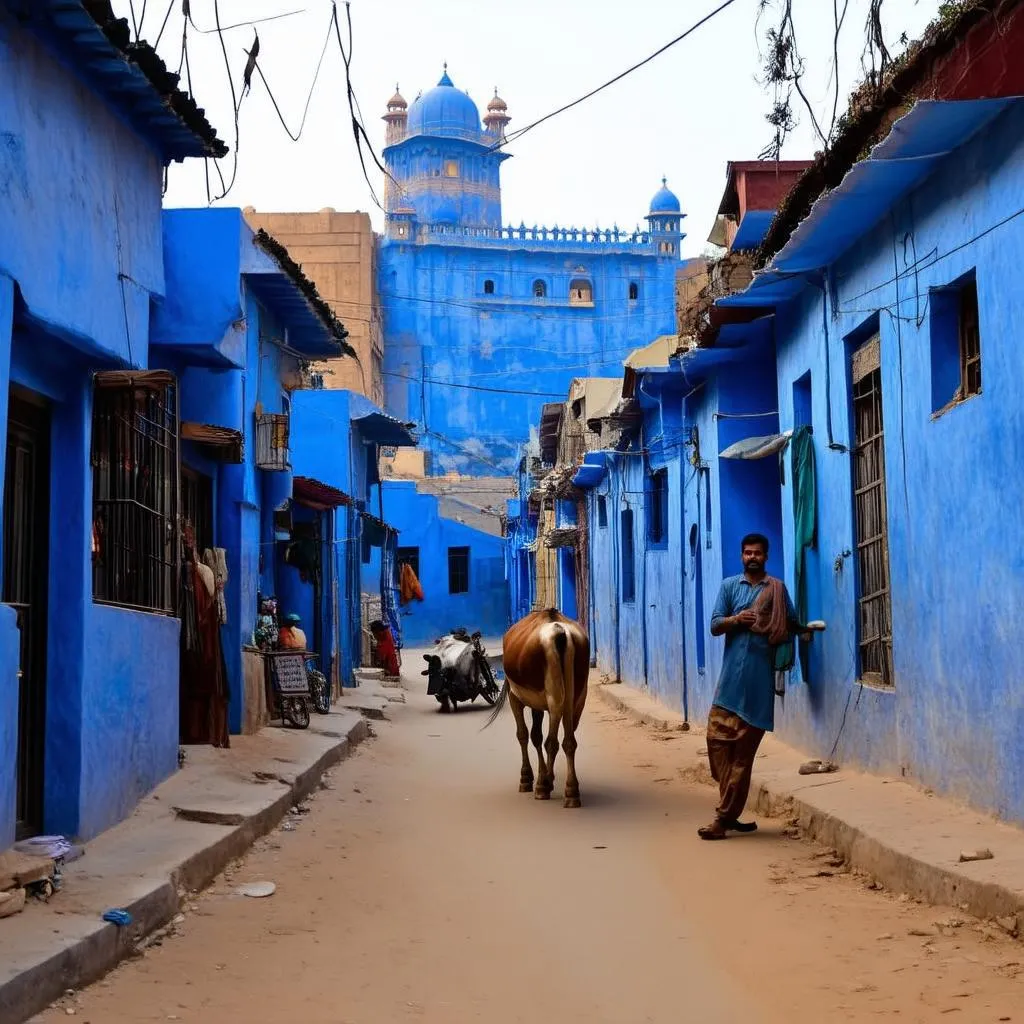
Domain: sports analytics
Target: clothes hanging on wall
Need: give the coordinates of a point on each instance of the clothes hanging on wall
(203, 685)
(216, 559)
(409, 585)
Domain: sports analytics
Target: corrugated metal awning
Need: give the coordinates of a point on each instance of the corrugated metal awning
(315, 494)
(221, 443)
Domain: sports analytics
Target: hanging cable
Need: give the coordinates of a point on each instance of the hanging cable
(518, 134)
(358, 130)
(295, 136)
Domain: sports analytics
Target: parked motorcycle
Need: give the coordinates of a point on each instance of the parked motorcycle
(458, 671)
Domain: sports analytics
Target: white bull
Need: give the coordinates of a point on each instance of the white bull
(453, 672)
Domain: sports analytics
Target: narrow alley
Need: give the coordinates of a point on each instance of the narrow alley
(422, 886)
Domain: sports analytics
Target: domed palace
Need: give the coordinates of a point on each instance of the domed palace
(485, 322)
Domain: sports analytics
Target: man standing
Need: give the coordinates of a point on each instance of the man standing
(756, 615)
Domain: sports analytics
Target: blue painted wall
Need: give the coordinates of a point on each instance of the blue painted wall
(640, 640)
(81, 196)
(954, 717)
(956, 714)
(419, 523)
(81, 261)
(129, 723)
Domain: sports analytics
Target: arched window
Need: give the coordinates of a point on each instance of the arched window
(540, 289)
(634, 291)
(488, 287)
(581, 292)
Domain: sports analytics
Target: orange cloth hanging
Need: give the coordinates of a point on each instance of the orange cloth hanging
(408, 585)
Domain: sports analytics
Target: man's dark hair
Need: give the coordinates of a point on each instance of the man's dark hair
(755, 538)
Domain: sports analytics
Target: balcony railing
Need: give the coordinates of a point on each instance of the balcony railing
(272, 442)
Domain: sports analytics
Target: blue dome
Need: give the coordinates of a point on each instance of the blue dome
(665, 200)
(444, 111)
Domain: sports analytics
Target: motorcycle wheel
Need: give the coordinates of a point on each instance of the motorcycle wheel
(319, 691)
(295, 712)
(490, 691)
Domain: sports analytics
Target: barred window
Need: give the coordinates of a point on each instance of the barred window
(135, 490)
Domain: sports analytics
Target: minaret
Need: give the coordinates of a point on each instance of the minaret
(497, 117)
(665, 222)
(396, 119)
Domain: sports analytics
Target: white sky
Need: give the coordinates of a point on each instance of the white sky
(684, 115)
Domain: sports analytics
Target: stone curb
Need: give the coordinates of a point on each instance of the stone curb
(897, 871)
(91, 957)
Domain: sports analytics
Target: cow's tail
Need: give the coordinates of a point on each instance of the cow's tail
(499, 705)
(565, 648)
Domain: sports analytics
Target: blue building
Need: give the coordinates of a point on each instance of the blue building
(872, 319)
(474, 310)
(338, 436)
(88, 660)
(457, 553)
(265, 460)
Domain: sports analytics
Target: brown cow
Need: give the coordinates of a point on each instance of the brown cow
(547, 662)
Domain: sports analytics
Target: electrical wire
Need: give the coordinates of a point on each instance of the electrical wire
(472, 387)
(248, 24)
(358, 130)
(167, 18)
(519, 133)
(235, 101)
(309, 97)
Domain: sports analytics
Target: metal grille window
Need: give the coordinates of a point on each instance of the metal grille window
(870, 518)
(458, 570)
(272, 442)
(135, 490)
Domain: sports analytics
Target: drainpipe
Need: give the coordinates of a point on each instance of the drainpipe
(617, 582)
(591, 533)
(682, 575)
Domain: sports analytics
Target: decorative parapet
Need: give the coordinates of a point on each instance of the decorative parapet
(554, 238)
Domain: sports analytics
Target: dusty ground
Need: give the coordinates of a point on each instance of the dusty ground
(422, 887)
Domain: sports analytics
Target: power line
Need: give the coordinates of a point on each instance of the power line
(316, 76)
(618, 78)
(358, 130)
(235, 102)
(472, 387)
(248, 24)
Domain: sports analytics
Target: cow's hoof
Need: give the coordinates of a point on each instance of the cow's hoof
(572, 801)
(542, 794)
(525, 787)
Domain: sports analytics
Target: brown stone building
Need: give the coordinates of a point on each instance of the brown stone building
(338, 251)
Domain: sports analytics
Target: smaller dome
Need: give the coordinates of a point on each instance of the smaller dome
(665, 200)
(397, 102)
(497, 103)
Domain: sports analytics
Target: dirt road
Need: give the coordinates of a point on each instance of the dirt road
(422, 887)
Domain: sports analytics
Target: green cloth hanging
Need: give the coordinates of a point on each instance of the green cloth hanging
(805, 520)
